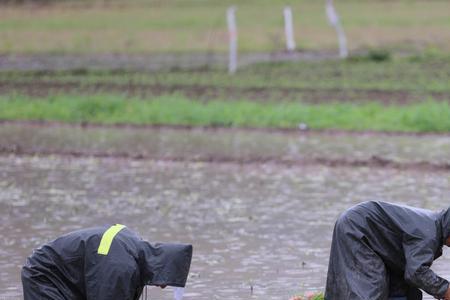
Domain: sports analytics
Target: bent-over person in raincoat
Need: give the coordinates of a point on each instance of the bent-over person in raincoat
(384, 251)
(103, 263)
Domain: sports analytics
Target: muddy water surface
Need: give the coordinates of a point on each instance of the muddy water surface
(259, 231)
(223, 143)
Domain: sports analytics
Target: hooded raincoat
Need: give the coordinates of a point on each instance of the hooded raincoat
(103, 263)
(382, 250)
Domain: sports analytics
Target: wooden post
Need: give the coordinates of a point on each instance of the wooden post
(333, 18)
(289, 28)
(232, 34)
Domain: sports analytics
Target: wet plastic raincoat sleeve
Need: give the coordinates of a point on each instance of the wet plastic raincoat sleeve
(419, 257)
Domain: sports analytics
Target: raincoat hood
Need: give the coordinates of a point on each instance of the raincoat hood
(166, 264)
(445, 224)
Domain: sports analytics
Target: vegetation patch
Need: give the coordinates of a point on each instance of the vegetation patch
(375, 55)
(374, 72)
(429, 116)
(309, 296)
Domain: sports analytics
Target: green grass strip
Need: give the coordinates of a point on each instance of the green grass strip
(309, 297)
(430, 116)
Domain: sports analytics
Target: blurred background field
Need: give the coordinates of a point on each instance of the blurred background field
(146, 26)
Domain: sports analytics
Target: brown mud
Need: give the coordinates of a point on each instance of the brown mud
(333, 132)
(39, 88)
(17, 143)
(373, 162)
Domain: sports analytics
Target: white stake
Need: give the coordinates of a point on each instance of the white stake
(232, 33)
(333, 18)
(289, 28)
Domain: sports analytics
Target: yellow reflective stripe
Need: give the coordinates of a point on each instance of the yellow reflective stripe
(108, 237)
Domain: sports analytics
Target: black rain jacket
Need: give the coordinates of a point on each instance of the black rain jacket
(380, 250)
(70, 267)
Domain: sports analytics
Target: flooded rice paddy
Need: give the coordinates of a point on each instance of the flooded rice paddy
(260, 231)
(217, 144)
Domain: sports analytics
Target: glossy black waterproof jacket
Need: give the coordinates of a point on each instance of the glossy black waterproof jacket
(381, 250)
(71, 267)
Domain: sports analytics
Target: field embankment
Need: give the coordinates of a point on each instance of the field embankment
(430, 116)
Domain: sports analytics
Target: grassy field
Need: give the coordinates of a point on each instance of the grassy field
(177, 110)
(416, 74)
(401, 94)
(194, 25)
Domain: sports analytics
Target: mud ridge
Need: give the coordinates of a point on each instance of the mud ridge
(45, 123)
(204, 92)
(373, 162)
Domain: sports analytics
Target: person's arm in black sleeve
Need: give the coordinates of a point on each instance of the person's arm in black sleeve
(419, 257)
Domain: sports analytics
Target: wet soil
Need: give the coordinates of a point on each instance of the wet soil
(224, 145)
(205, 92)
(213, 129)
(373, 162)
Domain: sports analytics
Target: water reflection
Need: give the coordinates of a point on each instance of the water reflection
(224, 143)
(259, 231)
